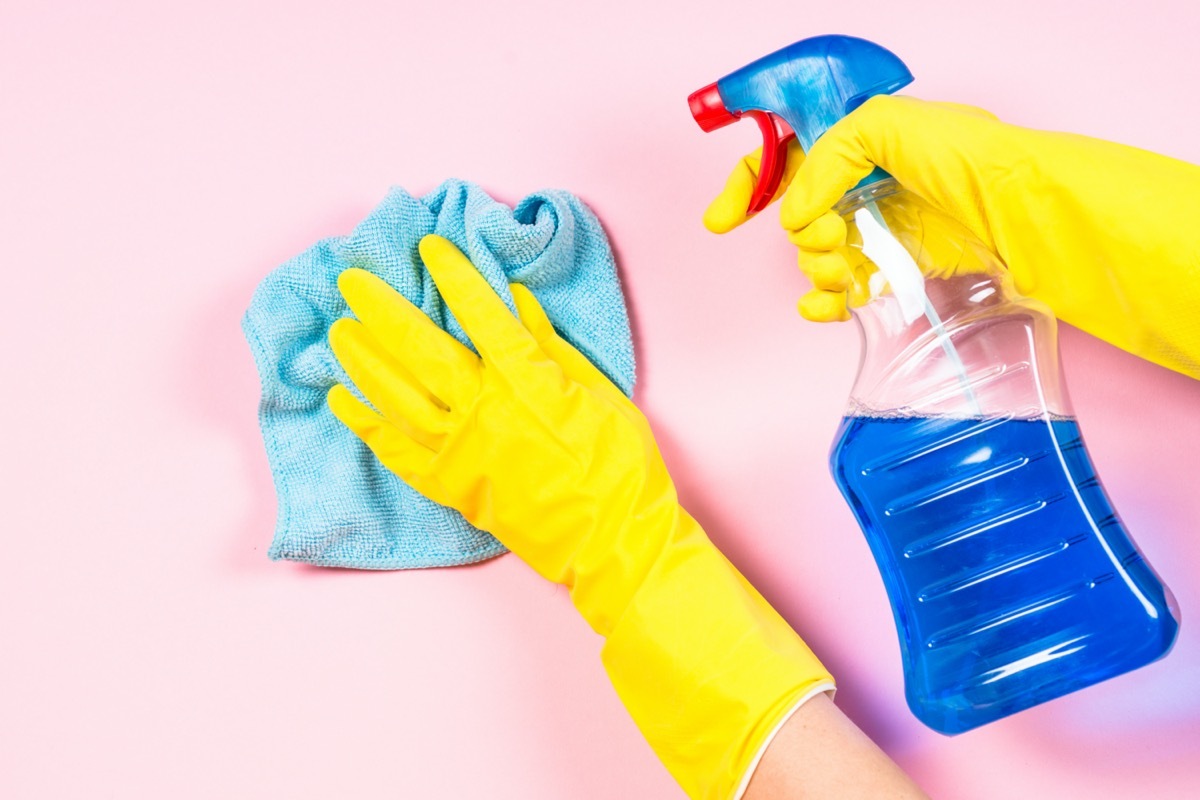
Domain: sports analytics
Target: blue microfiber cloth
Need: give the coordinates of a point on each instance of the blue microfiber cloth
(338, 506)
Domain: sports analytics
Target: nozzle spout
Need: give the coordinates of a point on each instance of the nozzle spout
(709, 109)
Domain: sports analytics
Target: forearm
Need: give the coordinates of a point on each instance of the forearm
(1105, 235)
(705, 666)
(820, 753)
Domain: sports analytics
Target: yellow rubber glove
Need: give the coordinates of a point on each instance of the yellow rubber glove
(532, 443)
(1107, 235)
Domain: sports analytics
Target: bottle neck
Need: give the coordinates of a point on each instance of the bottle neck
(870, 189)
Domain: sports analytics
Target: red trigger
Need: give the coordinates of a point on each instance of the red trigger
(776, 134)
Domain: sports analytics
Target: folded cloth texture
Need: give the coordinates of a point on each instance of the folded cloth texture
(338, 506)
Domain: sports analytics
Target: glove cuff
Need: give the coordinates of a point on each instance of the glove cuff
(707, 669)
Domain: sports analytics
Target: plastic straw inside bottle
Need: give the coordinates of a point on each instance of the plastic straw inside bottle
(908, 284)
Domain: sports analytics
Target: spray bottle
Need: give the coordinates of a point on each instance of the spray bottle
(1011, 578)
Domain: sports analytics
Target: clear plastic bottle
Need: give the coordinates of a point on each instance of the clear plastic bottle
(1011, 577)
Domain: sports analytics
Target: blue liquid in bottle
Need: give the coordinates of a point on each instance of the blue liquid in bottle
(1012, 579)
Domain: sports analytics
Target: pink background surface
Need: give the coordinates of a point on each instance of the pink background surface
(157, 162)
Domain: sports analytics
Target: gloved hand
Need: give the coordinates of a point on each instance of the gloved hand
(1106, 235)
(532, 443)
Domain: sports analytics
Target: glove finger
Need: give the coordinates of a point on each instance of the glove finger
(728, 209)
(387, 384)
(409, 459)
(820, 306)
(574, 363)
(495, 332)
(835, 164)
(826, 232)
(439, 361)
(828, 271)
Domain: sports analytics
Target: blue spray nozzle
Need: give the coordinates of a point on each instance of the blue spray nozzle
(802, 89)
